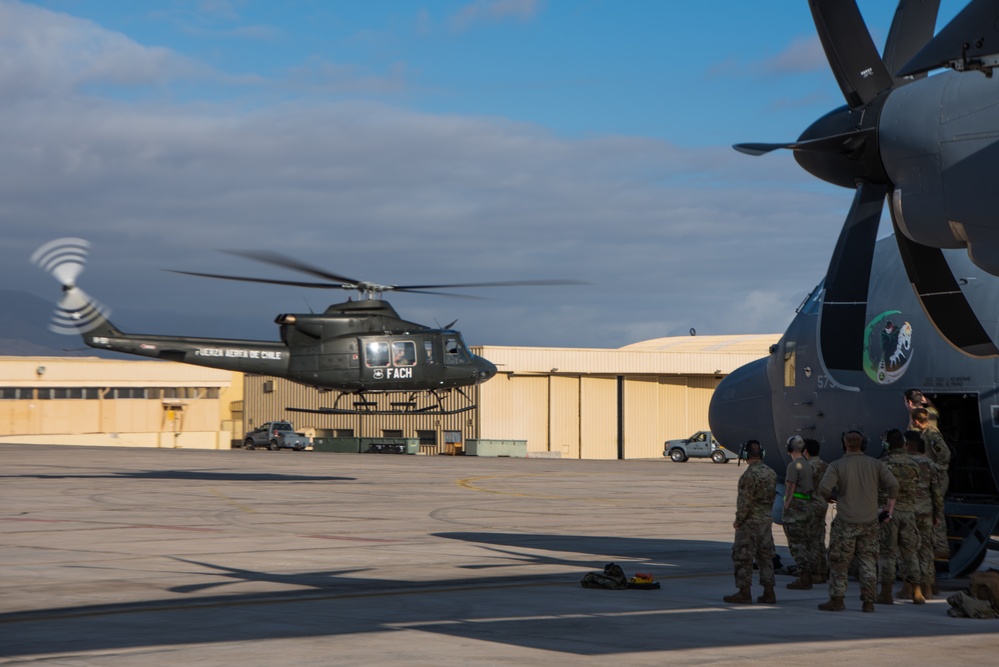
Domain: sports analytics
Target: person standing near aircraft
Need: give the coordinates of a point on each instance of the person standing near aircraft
(855, 478)
(820, 573)
(797, 519)
(753, 527)
(928, 510)
(940, 453)
(900, 536)
(914, 398)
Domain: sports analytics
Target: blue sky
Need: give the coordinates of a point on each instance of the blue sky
(449, 141)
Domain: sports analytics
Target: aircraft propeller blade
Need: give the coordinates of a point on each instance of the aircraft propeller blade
(855, 61)
(911, 28)
(941, 297)
(844, 305)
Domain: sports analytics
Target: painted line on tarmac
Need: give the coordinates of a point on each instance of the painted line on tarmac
(470, 484)
(239, 505)
(110, 525)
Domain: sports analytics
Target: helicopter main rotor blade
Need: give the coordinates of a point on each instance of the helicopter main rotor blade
(501, 283)
(268, 281)
(276, 259)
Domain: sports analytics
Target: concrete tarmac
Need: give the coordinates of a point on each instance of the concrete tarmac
(115, 557)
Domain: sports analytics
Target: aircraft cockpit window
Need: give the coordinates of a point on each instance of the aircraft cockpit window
(812, 301)
(454, 351)
(403, 353)
(428, 349)
(376, 354)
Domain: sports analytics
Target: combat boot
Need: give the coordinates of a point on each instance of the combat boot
(885, 597)
(834, 604)
(868, 596)
(917, 594)
(906, 591)
(803, 583)
(742, 597)
(768, 597)
(930, 589)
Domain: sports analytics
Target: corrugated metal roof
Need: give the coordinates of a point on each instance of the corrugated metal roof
(680, 355)
(741, 344)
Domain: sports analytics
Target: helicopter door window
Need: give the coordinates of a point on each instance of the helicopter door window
(376, 354)
(403, 353)
(454, 352)
(428, 349)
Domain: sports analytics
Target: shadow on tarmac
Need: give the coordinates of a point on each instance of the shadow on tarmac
(553, 613)
(198, 475)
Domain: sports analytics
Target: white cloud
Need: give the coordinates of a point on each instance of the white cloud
(670, 237)
(803, 54)
(492, 11)
(47, 53)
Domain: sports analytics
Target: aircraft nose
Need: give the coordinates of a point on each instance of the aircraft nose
(484, 369)
(741, 408)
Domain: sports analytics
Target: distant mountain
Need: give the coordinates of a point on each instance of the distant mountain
(24, 329)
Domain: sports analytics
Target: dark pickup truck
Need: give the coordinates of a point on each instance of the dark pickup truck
(276, 435)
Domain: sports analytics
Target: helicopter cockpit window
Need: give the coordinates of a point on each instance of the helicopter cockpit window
(403, 353)
(428, 348)
(376, 354)
(454, 351)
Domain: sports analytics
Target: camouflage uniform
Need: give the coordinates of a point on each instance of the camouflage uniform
(798, 517)
(900, 535)
(753, 536)
(818, 521)
(928, 506)
(856, 478)
(939, 452)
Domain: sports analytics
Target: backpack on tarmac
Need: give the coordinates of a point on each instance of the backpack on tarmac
(612, 578)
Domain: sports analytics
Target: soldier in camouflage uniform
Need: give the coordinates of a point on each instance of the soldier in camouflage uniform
(899, 536)
(928, 504)
(855, 479)
(820, 571)
(940, 453)
(797, 517)
(753, 527)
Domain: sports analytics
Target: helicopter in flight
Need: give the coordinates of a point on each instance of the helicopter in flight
(919, 311)
(354, 347)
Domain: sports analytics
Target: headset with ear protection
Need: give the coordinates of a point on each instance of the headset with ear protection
(863, 440)
(750, 446)
(795, 439)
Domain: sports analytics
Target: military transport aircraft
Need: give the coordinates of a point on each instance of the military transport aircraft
(357, 348)
(903, 313)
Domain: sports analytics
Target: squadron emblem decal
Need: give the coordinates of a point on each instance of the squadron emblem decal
(887, 347)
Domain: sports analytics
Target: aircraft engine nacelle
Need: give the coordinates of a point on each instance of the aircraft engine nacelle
(939, 146)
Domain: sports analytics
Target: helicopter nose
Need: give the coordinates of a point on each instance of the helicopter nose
(484, 369)
(741, 408)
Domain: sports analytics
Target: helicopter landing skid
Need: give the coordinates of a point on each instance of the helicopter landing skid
(363, 406)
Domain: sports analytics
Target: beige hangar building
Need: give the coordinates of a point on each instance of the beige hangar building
(92, 401)
(563, 402)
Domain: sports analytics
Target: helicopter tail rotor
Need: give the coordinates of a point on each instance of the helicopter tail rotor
(76, 312)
